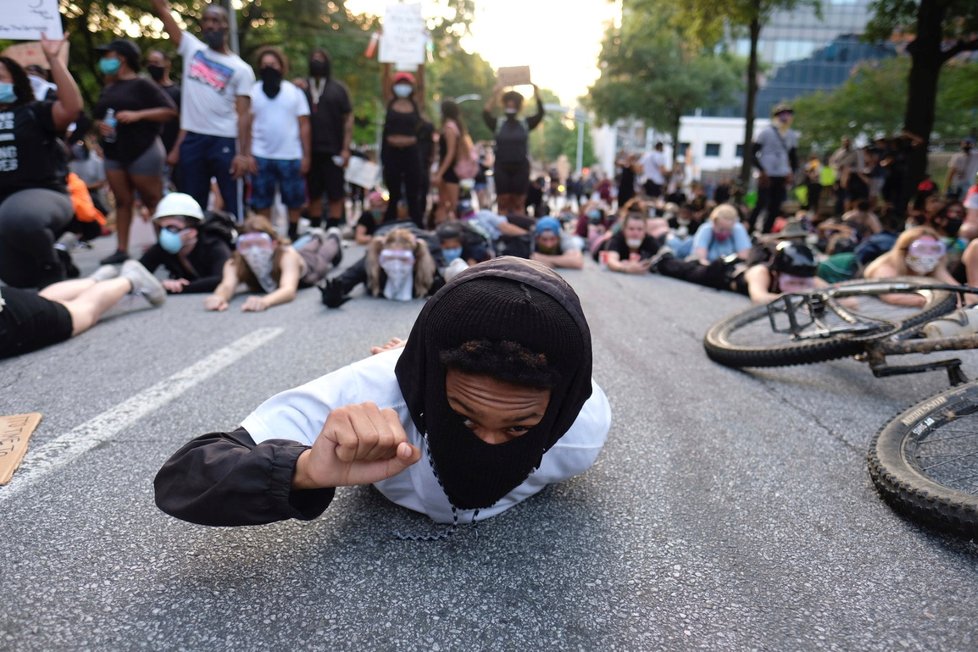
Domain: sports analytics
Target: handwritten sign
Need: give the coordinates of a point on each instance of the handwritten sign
(513, 75)
(27, 54)
(15, 432)
(361, 172)
(405, 36)
(25, 20)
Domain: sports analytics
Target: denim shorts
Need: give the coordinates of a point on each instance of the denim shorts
(279, 173)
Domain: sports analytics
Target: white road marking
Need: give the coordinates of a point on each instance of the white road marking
(107, 425)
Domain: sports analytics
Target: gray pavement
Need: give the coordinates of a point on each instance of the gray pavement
(729, 510)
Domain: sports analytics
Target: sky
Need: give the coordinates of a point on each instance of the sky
(559, 40)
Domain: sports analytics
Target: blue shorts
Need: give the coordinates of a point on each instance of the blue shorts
(283, 174)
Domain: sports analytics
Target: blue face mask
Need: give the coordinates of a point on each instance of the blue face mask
(170, 241)
(109, 66)
(7, 94)
(452, 254)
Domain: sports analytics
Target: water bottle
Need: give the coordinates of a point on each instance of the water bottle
(112, 122)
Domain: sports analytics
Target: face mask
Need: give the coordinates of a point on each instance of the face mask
(402, 90)
(594, 215)
(633, 243)
(721, 237)
(451, 254)
(923, 256)
(319, 68)
(398, 265)
(510, 110)
(7, 94)
(214, 39)
(109, 66)
(271, 81)
(156, 72)
(170, 241)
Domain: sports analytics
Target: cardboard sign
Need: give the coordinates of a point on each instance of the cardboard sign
(361, 172)
(514, 75)
(15, 432)
(26, 20)
(405, 36)
(27, 54)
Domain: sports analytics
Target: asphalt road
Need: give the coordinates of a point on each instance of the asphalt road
(729, 510)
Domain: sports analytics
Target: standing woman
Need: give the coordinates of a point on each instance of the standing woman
(34, 204)
(134, 153)
(400, 153)
(512, 167)
(454, 144)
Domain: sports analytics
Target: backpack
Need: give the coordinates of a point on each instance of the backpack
(221, 225)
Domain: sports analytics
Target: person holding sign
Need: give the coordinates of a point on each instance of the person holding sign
(400, 153)
(512, 167)
(35, 207)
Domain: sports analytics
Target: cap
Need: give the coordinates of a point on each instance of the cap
(547, 224)
(782, 107)
(125, 49)
(404, 77)
(178, 204)
(448, 231)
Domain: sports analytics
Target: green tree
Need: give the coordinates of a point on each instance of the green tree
(456, 73)
(941, 30)
(707, 19)
(652, 71)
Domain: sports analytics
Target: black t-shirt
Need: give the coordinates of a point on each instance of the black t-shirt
(646, 250)
(371, 221)
(131, 95)
(171, 129)
(328, 116)
(30, 154)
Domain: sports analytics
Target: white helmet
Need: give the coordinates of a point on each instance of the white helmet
(179, 204)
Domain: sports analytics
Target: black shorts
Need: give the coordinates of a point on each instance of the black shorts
(29, 322)
(652, 189)
(450, 176)
(512, 178)
(325, 177)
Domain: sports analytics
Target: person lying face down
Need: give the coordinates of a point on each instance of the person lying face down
(489, 401)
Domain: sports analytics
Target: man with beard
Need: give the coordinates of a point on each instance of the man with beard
(216, 108)
(331, 117)
(489, 401)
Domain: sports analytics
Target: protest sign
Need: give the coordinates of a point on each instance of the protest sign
(361, 172)
(27, 54)
(26, 20)
(405, 36)
(15, 433)
(513, 75)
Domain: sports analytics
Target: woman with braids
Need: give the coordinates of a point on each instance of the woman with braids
(489, 401)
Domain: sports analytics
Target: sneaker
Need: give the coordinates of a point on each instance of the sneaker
(67, 264)
(335, 233)
(104, 273)
(115, 259)
(963, 321)
(664, 252)
(332, 293)
(144, 283)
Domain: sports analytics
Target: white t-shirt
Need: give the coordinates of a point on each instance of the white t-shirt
(964, 168)
(211, 83)
(774, 151)
(299, 414)
(652, 164)
(275, 122)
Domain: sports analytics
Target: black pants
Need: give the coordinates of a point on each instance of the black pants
(716, 275)
(30, 222)
(769, 199)
(402, 176)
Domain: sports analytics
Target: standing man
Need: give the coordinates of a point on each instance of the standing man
(843, 160)
(331, 117)
(654, 171)
(961, 170)
(775, 155)
(280, 137)
(158, 65)
(215, 115)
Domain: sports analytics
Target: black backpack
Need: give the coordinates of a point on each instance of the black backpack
(220, 225)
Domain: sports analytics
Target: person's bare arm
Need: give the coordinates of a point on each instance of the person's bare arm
(69, 103)
(225, 290)
(386, 87)
(173, 156)
(305, 136)
(159, 114)
(508, 228)
(758, 280)
(243, 162)
(288, 285)
(419, 90)
(360, 235)
(572, 259)
(451, 147)
(347, 137)
(616, 264)
(162, 10)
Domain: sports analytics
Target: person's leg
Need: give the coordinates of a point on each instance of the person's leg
(146, 175)
(293, 191)
(90, 305)
(66, 290)
(393, 176)
(412, 185)
(777, 194)
(448, 194)
(316, 186)
(263, 187)
(336, 194)
(194, 178)
(119, 183)
(222, 155)
(30, 223)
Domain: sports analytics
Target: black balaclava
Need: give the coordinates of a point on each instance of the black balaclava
(271, 81)
(319, 68)
(503, 299)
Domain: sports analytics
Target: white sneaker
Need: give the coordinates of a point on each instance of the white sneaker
(104, 273)
(963, 321)
(144, 283)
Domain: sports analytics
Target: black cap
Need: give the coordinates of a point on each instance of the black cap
(125, 49)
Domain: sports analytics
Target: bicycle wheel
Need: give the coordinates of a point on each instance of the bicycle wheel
(924, 462)
(842, 318)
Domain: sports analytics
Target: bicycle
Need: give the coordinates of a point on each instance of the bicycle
(924, 461)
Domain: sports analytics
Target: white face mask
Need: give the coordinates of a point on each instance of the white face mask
(260, 262)
(398, 265)
(402, 90)
(510, 110)
(922, 264)
(633, 243)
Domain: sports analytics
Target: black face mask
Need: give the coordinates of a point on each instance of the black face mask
(271, 81)
(156, 72)
(319, 68)
(214, 38)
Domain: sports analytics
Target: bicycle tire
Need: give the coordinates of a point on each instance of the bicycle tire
(918, 484)
(785, 352)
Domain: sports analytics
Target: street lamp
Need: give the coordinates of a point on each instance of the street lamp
(467, 98)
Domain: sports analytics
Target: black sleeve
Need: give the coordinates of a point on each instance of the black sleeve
(154, 97)
(489, 120)
(153, 258)
(755, 148)
(534, 120)
(226, 479)
(793, 158)
(204, 284)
